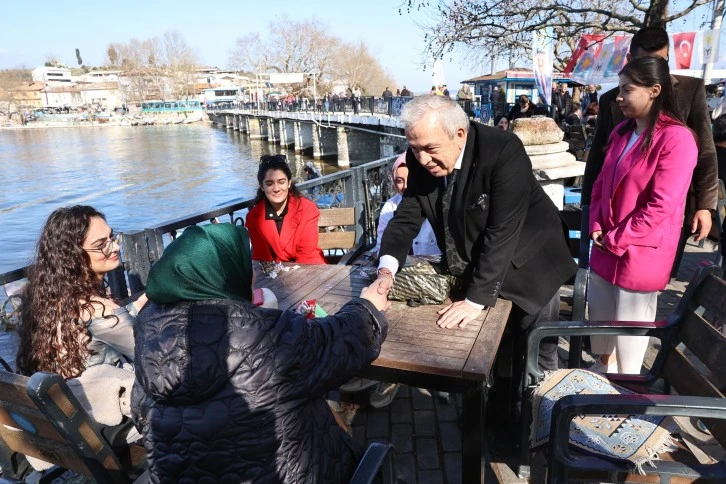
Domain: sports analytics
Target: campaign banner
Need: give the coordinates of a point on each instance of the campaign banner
(683, 44)
(542, 61)
(618, 59)
(588, 45)
(597, 73)
(710, 43)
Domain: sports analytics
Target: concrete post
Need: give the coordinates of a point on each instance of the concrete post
(343, 153)
(272, 132)
(303, 133)
(325, 141)
(257, 129)
(287, 133)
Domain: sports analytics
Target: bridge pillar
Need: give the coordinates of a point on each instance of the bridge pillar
(325, 142)
(394, 142)
(303, 133)
(257, 128)
(242, 123)
(235, 122)
(343, 153)
(273, 131)
(287, 133)
(361, 146)
(227, 121)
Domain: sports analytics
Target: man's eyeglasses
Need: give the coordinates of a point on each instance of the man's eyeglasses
(105, 248)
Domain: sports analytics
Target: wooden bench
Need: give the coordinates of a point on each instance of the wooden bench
(40, 417)
(337, 232)
(691, 362)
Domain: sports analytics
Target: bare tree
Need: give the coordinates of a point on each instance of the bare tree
(11, 98)
(484, 28)
(159, 67)
(305, 46)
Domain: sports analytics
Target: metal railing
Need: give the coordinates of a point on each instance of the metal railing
(363, 188)
(365, 105)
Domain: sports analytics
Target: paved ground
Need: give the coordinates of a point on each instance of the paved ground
(425, 429)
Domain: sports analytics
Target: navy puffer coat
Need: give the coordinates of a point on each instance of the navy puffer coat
(228, 392)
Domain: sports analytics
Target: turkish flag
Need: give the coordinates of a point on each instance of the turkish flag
(683, 49)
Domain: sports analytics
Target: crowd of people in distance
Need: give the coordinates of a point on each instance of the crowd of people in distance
(228, 390)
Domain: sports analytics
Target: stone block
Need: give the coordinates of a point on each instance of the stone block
(538, 130)
(377, 425)
(427, 454)
(547, 149)
(421, 399)
(553, 160)
(424, 422)
(452, 467)
(402, 438)
(401, 410)
(406, 467)
(450, 437)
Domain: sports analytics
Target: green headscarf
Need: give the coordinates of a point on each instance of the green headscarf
(208, 262)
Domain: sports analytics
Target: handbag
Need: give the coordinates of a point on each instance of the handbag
(423, 280)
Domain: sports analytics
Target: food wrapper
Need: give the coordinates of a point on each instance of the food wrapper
(310, 309)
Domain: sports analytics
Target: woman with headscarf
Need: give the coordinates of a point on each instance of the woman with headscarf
(230, 392)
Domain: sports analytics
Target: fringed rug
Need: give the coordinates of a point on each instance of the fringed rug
(638, 439)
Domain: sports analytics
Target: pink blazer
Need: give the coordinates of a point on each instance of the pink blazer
(639, 205)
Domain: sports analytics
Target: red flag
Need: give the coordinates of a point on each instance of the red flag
(683, 48)
(590, 43)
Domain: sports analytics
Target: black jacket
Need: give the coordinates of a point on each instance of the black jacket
(502, 221)
(229, 392)
(691, 99)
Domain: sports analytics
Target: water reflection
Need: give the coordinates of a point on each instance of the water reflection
(137, 176)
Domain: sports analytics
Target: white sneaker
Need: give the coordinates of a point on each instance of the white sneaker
(356, 384)
(383, 394)
(602, 368)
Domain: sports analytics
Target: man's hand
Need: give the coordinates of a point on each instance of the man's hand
(377, 293)
(457, 314)
(702, 219)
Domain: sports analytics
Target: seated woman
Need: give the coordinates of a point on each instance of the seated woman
(501, 122)
(69, 322)
(425, 241)
(283, 224)
(230, 392)
(523, 109)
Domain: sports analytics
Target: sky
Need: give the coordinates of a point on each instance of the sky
(52, 27)
(28, 35)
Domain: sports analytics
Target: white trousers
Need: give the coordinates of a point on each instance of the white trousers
(608, 302)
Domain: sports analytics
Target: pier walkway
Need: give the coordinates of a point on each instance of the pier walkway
(425, 430)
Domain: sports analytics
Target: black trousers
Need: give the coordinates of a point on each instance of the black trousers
(548, 347)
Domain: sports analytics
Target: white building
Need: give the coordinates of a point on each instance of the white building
(52, 75)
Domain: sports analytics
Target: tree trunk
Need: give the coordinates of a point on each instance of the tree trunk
(656, 14)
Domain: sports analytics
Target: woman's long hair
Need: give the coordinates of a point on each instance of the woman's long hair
(647, 72)
(61, 285)
(274, 162)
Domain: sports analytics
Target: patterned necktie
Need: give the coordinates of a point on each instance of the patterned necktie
(456, 265)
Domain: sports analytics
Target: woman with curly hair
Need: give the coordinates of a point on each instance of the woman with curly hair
(69, 323)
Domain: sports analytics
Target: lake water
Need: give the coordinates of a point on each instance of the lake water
(137, 176)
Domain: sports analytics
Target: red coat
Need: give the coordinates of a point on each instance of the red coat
(298, 239)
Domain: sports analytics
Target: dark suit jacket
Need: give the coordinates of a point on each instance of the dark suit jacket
(691, 99)
(503, 223)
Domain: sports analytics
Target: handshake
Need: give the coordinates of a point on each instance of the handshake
(377, 293)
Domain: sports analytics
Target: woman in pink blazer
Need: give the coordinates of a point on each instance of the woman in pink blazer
(636, 211)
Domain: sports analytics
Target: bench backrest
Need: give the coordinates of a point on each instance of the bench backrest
(701, 332)
(333, 218)
(40, 417)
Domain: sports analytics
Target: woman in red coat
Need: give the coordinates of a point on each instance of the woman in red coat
(283, 224)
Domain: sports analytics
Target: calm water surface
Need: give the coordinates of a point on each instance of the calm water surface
(138, 176)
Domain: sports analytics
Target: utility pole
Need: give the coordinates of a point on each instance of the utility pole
(716, 19)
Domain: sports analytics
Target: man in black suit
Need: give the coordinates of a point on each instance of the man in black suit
(691, 100)
(496, 226)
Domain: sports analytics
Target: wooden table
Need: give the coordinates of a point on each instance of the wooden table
(416, 352)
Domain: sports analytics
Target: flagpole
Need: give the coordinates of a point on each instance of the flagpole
(718, 6)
